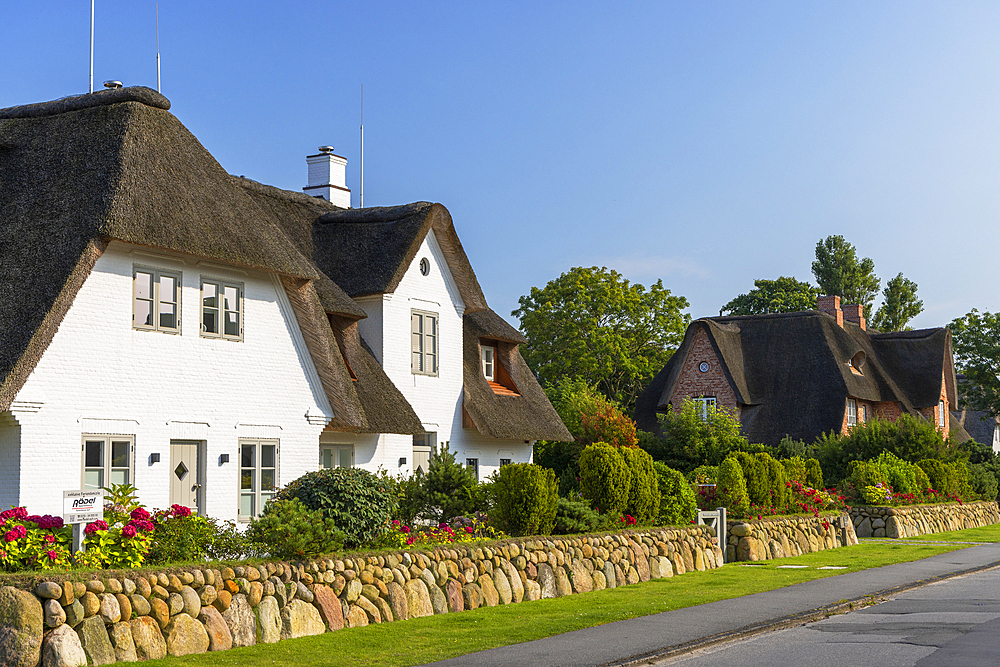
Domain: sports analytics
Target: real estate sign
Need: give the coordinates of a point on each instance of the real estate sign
(83, 506)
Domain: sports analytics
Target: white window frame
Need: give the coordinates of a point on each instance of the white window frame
(704, 404)
(221, 311)
(155, 299)
(864, 413)
(473, 463)
(254, 490)
(505, 462)
(336, 452)
(488, 356)
(421, 340)
(852, 412)
(941, 413)
(105, 465)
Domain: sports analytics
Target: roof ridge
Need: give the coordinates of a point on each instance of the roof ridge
(141, 94)
(374, 214)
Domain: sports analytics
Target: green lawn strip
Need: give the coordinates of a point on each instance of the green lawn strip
(981, 534)
(423, 640)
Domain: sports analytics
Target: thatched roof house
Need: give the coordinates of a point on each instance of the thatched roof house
(805, 374)
(117, 226)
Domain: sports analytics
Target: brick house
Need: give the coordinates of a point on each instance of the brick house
(166, 324)
(807, 373)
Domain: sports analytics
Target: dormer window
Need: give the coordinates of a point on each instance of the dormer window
(857, 363)
(488, 354)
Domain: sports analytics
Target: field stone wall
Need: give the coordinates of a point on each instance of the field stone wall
(194, 610)
(780, 537)
(913, 520)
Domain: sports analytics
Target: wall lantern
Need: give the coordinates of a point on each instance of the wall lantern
(154, 458)
(223, 458)
(402, 461)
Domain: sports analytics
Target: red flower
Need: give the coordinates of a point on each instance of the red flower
(129, 530)
(15, 533)
(50, 538)
(95, 526)
(52, 555)
(180, 510)
(139, 514)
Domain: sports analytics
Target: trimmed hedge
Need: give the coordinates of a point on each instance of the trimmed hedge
(644, 491)
(526, 497)
(732, 489)
(605, 479)
(678, 504)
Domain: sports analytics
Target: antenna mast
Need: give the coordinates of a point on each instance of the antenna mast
(362, 146)
(91, 45)
(157, 6)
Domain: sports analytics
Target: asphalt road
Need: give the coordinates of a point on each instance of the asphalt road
(952, 623)
(645, 639)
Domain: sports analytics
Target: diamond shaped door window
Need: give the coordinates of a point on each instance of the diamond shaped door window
(181, 470)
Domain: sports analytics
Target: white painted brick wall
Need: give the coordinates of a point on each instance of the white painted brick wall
(99, 372)
(436, 400)
(10, 445)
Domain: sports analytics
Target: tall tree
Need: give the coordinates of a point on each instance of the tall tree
(838, 271)
(900, 305)
(784, 295)
(593, 324)
(976, 343)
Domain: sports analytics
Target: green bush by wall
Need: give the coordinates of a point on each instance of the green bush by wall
(731, 488)
(526, 497)
(678, 504)
(644, 491)
(605, 478)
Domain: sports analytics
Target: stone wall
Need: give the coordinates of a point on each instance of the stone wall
(779, 537)
(916, 520)
(194, 610)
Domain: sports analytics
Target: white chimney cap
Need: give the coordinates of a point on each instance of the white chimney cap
(326, 149)
(112, 84)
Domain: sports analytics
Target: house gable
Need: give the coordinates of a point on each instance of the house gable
(710, 380)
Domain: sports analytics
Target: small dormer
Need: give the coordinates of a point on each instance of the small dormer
(493, 368)
(857, 363)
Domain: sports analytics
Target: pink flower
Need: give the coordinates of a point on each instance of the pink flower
(52, 555)
(180, 510)
(129, 530)
(15, 533)
(406, 529)
(95, 526)
(50, 538)
(139, 514)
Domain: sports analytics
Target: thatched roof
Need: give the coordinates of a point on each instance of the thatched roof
(977, 425)
(116, 165)
(529, 416)
(367, 251)
(791, 372)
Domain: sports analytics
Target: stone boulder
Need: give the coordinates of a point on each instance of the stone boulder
(268, 621)
(241, 622)
(397, 601)
(220, 637)
(21, 625)
(453, 591)
(61, 648)
(53, 612)
(473, 596)
(503, 586)
(532, 591)
(418, 599)
(149, 642)
(439, 602)
(121, 638)
(546, 580)
(95, 641)
(582, 581)
(490, 595)
(329, 607)
(301, 619)
(356, 617)
(563, 587)
(185, 636)
(110, 611)
(516, 585)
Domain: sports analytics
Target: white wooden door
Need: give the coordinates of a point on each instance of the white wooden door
(185, 473)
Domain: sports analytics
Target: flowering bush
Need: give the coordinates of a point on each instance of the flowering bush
(460, 530)
(32, 542)
(879, 494)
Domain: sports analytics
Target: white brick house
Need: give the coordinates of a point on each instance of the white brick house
(205, 338)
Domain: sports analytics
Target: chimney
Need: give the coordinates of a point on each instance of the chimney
(328, 177)
(855, 313)
(831, 306)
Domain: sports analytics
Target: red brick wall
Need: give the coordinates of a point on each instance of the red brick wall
(693, 383)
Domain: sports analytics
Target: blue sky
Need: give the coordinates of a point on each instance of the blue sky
(707, 144)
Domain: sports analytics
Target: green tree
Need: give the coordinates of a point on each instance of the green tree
(784, 295)
(592, 323)
(839, 272)
(900, 305)
(976, 343)
(691, 438)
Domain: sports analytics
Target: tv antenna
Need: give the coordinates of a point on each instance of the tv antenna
(91, 45)
(362, 204)
(157, 6)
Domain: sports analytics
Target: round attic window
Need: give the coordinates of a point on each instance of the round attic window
(703, 367)
(425, 266)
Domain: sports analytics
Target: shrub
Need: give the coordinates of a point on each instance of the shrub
(703, 475)
(886, 469)
(943, 477)
(644, 491)
(814, 474)
(678, 505)
(755, 476)
(795, 468)
(287, 529)
(731, 489)
(983, 481)
(31, 542)
(526, 497)
(604, 478)
(575, 515)
(691, 439)
(179, 536)
(230, 543)
(360, 503)
(776, 480)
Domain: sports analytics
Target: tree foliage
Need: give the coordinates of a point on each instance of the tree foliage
(976, 343)
(690, 439)
(784, 295)
(592, 323)
(900, 305)
(839, 272)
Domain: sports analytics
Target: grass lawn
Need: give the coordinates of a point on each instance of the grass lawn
(422, 640)
(981, 534)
